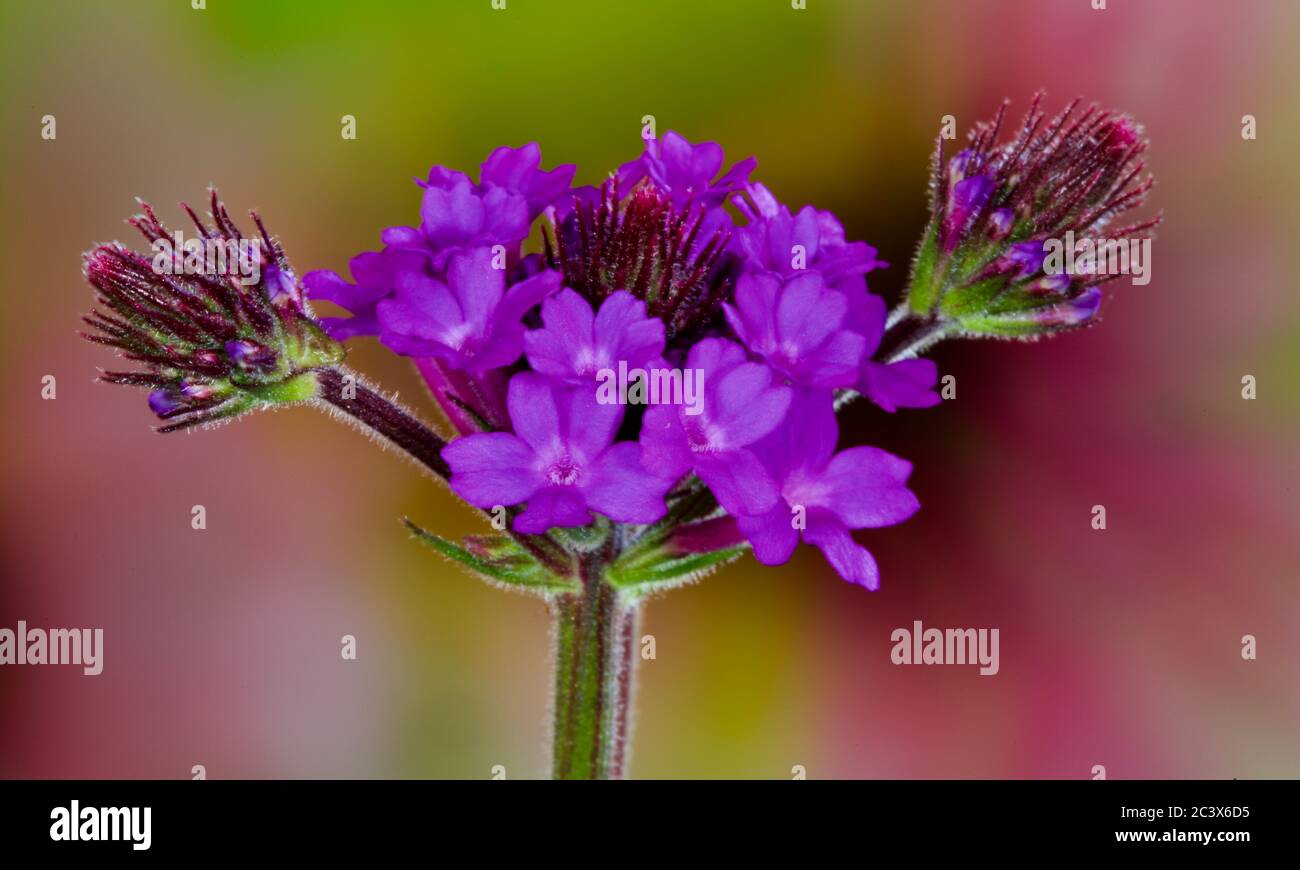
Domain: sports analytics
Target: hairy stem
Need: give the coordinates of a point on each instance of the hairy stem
(347, 392)
(595, 660)
(909, 337)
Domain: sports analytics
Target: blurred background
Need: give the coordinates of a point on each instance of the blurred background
(1118, 647)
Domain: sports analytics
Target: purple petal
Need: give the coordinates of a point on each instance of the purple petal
(849, 558)
(772, 535)
(746, 405)
(550, 507)
(477, 285)
(738, 481)
(534, 412)
(619, 487)
(527, 293)
(867, 488)
(492, 468)
(904, 384)
(624, 332)
(666, 451)
(451, 216)
(805, 440)
(587, 425)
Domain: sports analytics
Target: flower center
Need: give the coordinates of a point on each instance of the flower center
(674, 259)
(563, 472)
(700, 437)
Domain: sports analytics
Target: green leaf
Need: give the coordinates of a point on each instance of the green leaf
(509, 565)
(662, 571)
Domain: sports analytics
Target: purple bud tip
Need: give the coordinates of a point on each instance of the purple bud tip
(193, 390)
(1001, 221)
(1073, 312)
(280, 285)
(164, 401)
(1027, 256)
(248, 353)
(965, 199)
(1057, 283)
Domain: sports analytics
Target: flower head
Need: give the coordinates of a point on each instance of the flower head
(824, 494)
(561, 460)
(214, 343)
(998, 204)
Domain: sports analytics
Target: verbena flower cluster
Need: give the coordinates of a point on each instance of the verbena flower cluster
(673, 267)
(661, 371)
(643, 376)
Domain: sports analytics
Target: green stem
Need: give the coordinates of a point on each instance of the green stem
(595, 660)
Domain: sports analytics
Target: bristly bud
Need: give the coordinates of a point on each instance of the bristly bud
(999, 211)
(215, 341)
(675, 258)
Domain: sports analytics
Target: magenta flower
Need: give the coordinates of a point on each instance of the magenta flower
(375, 275)
(518, 170)
(561, 460)
(471, 322)
(575, 344)
(796, 328)
(907, 383)
(686, 172)
(457, 215)
(741, 404)
(824, 494)
(783, 244)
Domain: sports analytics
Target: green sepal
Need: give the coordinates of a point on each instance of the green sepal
(923, 292)
(507, 565)
(973, 299)
(658, 570)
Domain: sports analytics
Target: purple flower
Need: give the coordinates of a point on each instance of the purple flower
(777, 242)
(471, 322)
(518, 170)
(375, 274)
(457, 215)
(561, 460)
(575, 344)
(740, 405)
(907, 383)
(686, 171)
(796, 328)
(825, 494)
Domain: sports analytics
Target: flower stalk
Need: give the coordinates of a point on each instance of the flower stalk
(595, 665)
